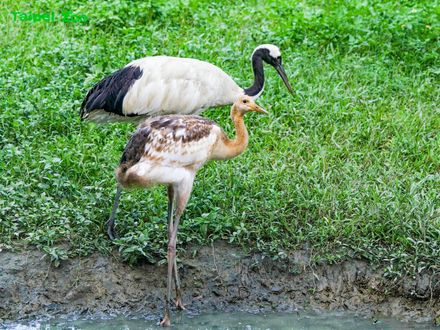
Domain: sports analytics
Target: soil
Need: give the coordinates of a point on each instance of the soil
(220, 277)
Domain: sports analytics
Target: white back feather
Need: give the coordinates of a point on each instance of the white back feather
(178, 85)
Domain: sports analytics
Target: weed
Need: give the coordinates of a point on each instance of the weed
(349, 165)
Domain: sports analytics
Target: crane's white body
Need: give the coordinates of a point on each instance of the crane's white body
(171, 85)
(179, 85)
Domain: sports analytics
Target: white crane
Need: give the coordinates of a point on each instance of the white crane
(161, 85)
(169, 150)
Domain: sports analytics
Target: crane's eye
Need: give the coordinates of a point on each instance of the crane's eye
(245, 101)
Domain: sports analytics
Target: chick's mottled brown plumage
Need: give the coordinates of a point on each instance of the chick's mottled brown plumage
(169, 142)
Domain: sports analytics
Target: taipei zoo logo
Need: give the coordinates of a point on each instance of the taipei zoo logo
(49, 17)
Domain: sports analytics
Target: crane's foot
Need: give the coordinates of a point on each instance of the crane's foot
(179, 304)
(166, 322)
(110, 229)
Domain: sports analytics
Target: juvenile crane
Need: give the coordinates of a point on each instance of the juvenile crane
(160, 85)
(169, 150)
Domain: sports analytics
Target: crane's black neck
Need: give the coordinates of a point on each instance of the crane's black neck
(257, 66)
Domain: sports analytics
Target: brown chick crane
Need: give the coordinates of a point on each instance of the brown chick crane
(169, 150)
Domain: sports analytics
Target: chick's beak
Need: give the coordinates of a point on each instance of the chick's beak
(255, 107)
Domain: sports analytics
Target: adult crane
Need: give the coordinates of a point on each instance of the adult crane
(160, 85)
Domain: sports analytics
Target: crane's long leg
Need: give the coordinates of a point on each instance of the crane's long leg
(182, 192)
(110, 224)
(176, 270)
(179, 303)
(170, 206)
(166, 319)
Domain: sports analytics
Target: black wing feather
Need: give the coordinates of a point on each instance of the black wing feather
(109, 93)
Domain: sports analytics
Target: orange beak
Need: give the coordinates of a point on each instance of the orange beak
(255, 107)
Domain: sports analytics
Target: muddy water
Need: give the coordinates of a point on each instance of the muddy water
(217, 321)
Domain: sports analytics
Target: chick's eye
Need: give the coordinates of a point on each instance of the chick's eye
(245, 101)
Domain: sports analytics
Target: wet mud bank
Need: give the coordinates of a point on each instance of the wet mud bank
(214, 278)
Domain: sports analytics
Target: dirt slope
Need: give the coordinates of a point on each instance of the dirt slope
(220, 277)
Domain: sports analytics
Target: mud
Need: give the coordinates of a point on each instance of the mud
(214, 278)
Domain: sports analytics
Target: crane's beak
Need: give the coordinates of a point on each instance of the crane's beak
(283, 76)
(255, 107)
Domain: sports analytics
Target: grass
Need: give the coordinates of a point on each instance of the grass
(348, 167)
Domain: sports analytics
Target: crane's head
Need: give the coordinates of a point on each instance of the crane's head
(271, 55)
(245, 104)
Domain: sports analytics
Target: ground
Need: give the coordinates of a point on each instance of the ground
(346, 168)
(220, 277)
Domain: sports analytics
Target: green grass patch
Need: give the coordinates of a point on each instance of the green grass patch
(348, 166)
